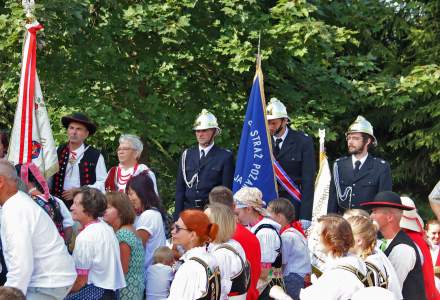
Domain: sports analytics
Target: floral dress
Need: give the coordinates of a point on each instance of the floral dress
(135, 275)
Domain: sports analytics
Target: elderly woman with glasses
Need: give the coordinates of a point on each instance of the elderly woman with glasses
(129, 151)
(198, 277)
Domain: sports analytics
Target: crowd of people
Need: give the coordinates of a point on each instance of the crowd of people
(87, 233)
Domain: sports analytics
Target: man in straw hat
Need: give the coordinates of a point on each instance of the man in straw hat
(80, 164)
(404, 255)
(360, 176)
(203, 166)
(412, 225)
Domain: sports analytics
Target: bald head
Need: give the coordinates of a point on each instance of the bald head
(7, 170)
(8, 180)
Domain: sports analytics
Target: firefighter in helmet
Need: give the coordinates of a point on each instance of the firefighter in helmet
(359, 176)
(203, 166)
(295, 153)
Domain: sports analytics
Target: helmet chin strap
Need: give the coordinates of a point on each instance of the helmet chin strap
(210, 139)
(278, 130)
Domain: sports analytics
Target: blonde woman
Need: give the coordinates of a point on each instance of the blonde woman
(230, 255)
(365, 233)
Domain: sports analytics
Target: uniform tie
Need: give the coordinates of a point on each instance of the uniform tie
(277, 147)
(203, 155)
(357, 166)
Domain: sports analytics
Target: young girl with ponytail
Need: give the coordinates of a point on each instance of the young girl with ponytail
(365, 233)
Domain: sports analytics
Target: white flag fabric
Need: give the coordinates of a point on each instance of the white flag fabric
(320, 202)
(31, 138)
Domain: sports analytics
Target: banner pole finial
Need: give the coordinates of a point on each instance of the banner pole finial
(258, 51)
(28, 7)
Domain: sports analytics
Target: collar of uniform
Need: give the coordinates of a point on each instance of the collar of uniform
(283, 137)
(362, 160)
(205, 149)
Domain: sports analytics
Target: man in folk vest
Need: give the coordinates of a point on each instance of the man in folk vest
(404, 255)
(295, 153)
(80, 164)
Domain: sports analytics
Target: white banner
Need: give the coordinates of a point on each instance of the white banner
(320, 202)
(31, 138)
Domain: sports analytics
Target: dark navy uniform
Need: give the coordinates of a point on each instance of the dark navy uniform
(297, 158)
(217, 168)
(373, 177)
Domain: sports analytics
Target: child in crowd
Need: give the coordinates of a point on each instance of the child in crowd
(160, 274)
(296, 257)
(432, 230)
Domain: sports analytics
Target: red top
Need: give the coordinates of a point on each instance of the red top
(427, 267)
(251, 247)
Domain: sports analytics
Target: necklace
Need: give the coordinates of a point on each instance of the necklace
(123, 179)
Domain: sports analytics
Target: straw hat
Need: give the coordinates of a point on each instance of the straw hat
(411, 219)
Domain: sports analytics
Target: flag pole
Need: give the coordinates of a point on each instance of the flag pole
(321, 134)
(258, 52)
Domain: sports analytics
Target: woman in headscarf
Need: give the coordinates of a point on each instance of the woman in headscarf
(249, 209)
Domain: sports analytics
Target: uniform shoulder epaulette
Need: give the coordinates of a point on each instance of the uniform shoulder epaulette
(342, 158)
(380, 160)
(228, 150)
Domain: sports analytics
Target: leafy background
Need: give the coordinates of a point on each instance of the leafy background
(149, 67)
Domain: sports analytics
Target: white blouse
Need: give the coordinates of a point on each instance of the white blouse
(97, 250)
(269, 240)
(434, 253)
(334, 283)
(380, 260)
(296, 255)
(229, 263)
(190, 279)
(151, 221)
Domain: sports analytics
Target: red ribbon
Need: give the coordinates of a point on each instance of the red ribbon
(28, 94)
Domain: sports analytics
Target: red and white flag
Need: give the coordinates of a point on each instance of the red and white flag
(31, 138)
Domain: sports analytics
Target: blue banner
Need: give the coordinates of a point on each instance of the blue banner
(254, 162)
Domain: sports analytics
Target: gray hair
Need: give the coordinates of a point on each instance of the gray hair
(7, 170)
(134, 140)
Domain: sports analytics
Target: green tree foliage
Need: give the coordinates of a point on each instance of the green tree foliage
(149, 67)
